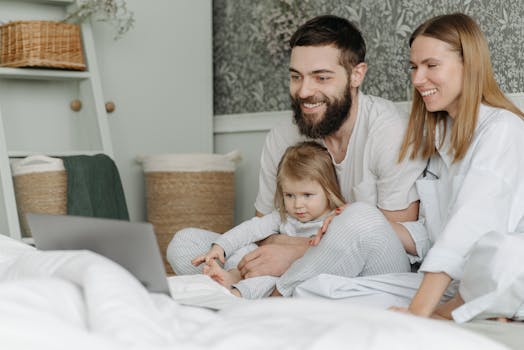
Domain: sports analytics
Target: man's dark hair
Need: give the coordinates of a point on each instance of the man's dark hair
(333, 30)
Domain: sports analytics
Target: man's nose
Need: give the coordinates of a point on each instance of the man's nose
(306, 89)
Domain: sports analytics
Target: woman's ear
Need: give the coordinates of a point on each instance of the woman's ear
(357, 74)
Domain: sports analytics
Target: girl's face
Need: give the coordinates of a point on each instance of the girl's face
(437, 74)
(305, 200)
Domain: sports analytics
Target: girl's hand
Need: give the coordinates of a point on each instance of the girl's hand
(315, 240)
(216, 252)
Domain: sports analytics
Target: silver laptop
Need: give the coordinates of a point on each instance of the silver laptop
(133, 245)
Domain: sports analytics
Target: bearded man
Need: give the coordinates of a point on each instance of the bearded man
(378, 231)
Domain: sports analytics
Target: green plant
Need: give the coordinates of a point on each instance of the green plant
(114, 12)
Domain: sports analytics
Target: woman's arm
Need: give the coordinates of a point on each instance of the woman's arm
(443, 311)
(432, 288)
(408, 214)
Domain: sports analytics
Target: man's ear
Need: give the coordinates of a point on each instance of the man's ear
(358, 73)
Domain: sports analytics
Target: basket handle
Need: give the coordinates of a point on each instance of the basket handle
(234, 156)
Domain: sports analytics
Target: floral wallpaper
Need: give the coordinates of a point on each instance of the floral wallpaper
(251, 49)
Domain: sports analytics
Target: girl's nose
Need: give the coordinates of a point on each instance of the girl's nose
(298, 202)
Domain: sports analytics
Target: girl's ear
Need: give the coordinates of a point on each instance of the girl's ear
(357, 74)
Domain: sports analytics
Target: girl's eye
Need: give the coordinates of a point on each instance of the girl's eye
(288, 195)
(307, 195)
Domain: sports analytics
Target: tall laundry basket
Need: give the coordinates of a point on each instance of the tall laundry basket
(189, 190)
(40, 185)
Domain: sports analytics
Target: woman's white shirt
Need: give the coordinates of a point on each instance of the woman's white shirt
(483, 192)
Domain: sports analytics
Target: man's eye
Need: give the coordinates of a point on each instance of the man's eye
(295, 77)
(322, 78)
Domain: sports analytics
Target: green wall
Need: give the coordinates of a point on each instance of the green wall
(250, 44)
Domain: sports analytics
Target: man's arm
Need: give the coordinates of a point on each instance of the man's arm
(396, 216)
(271, 259)
(281, 239)
(274, 256)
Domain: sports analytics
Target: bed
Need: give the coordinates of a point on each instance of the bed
(80, 300)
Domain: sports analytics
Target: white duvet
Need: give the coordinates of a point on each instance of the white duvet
(80, 300)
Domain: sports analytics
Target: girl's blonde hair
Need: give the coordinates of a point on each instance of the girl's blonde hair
(308, 161)
(479, 86)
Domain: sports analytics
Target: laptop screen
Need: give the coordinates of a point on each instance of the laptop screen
(132, 245)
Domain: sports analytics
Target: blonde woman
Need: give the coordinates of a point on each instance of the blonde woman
(307, 192)
(473, 139)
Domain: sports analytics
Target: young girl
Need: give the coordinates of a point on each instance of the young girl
(473, 138)
(307, 192)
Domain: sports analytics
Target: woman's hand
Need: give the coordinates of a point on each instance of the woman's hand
(426, 300)
(216, 252)
(315, 240)
(402, 310)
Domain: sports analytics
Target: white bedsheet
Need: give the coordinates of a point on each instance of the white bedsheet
(378, 291)
(79, 300)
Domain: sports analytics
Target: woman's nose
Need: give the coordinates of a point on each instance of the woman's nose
(418, 77)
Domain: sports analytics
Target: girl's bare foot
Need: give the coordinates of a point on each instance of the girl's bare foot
(216, 272)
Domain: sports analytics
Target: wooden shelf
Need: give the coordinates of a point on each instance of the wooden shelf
(22, 154)
(51, 2)
(42, 74)
(29, 82)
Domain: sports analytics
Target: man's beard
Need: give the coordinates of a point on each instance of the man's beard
(336, 114)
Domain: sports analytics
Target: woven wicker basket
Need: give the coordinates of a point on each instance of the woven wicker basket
(181, 199)
(39, 188)
(41, 44)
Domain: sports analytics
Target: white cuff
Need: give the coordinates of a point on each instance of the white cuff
(420, 236)
(444, 260)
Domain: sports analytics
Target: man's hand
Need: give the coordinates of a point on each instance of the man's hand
(271, 259)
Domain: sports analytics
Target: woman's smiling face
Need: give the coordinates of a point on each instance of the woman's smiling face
(437, 74)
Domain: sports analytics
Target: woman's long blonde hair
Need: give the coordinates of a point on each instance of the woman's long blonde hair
(308, 161)
(463, 34)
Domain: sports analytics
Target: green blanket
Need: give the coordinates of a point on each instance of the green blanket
(94, 187)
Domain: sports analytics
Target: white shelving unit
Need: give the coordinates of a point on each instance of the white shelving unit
(35, 117)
